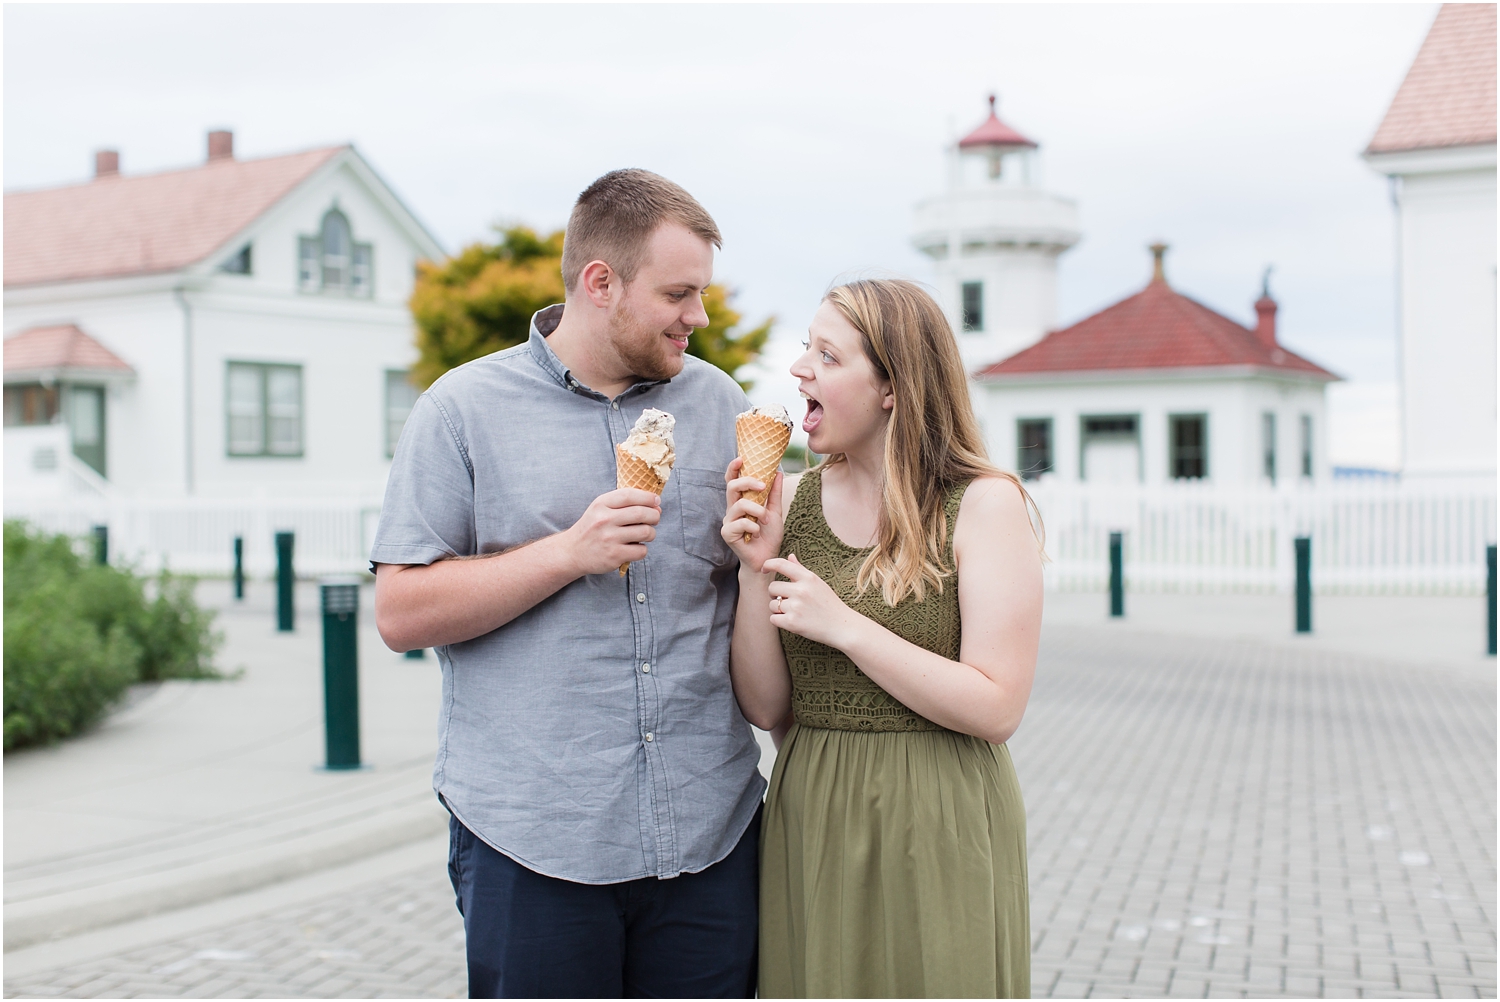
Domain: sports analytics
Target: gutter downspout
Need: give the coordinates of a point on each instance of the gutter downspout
(187, 390)
(1395, 186)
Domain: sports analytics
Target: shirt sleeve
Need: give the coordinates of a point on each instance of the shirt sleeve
(428, 513)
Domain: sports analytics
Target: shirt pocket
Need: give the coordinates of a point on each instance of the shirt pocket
(700, 506)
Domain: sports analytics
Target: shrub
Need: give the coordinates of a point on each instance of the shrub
(77, 634)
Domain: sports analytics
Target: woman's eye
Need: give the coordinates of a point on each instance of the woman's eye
(827, 358)
(806, 344)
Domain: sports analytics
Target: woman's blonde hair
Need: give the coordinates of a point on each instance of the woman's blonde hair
(932, 442)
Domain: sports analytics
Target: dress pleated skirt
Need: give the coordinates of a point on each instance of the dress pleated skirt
(893, 864)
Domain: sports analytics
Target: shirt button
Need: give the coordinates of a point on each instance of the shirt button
(615, 405)
(650, 737)
(640, 596)
(646, 668)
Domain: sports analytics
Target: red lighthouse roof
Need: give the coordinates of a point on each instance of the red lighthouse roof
(1158, 328)
(993, 132)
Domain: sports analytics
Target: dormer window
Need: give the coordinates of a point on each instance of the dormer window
(332, 261)
(239, 264)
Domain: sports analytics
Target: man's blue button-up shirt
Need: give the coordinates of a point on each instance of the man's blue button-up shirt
(595, 737)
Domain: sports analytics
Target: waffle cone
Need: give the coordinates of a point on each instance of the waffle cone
(632, 472)
(762, 442)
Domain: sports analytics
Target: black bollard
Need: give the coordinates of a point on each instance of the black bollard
(341, 672)
(239, 567)
(285, 582)
(1490, 558)
(1116, 574)
(101, 544)
(417, 653)
(1303, 546)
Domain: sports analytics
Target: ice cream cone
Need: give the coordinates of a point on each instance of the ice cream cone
(762, 442)
(644, 460)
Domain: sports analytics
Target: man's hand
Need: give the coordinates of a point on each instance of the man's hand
(613, 530)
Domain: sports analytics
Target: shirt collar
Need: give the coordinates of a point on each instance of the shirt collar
(543, 323)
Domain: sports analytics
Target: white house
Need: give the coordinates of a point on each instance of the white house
(1158, 388)
(1437, 144)
(995, 236)
(236, 329)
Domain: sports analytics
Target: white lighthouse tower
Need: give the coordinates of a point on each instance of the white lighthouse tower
(995, 237)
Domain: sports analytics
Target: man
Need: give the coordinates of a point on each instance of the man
(602, 783)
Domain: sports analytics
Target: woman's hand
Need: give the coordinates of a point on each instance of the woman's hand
(752, 531)
(805, 605)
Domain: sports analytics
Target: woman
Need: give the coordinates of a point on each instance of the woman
(890, 603)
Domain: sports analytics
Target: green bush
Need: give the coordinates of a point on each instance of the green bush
(77, 634)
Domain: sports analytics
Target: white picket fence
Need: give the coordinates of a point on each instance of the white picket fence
(1367, 538)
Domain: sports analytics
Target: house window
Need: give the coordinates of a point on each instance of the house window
(1307, 446)
(1110, 449)
(1033, 447)
(263, 409)
(239, 264)
(86, 424)
(973, 295)
(1268, 446)
(400, 397)
(1188, 446)
(332, 261)
(30, 403)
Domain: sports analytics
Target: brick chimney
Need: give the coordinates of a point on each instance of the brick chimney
(1265, 313)
(220, 145)
(106, 163)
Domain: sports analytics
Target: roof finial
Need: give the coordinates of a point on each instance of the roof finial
(1159, 271)
(993, 99)
(1265, 283)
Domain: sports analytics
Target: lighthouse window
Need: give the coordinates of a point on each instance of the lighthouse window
(1307, 446)
(1033, 447)
(1189, 446)
(1268, 446)
(973, 294)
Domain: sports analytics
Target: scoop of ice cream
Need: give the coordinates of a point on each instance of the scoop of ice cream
(650, 441)
(775, 412)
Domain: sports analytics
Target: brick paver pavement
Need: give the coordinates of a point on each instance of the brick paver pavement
(1206, 820)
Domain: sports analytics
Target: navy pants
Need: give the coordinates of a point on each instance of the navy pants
(532, 936)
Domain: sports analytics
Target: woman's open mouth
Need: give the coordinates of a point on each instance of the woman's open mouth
(814, 414)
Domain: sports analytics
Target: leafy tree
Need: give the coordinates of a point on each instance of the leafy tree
(482, 301)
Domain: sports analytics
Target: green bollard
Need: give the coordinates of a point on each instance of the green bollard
(286, 581)
(1303, 545)
(1490, 559)
(101, 544)
(239, 567)
(417, 653)
(341, 672)
(1116, 574)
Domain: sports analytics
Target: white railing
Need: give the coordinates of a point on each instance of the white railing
(1367, 537)
(196, 536)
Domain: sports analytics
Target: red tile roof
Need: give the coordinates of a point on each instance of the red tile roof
(1157, 328)
(993, 132)
(1448, 96)
(116, 225)
(61, 347)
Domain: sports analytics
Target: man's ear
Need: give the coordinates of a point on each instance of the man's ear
(599, 283)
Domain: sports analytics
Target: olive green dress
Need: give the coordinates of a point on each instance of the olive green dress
(893, 851)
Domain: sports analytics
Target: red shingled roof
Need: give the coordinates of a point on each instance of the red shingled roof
(60, 347)
(993, 132)
(1157, 328)
(115, 226)
(1448, 96)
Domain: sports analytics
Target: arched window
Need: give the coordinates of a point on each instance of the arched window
(332, 261)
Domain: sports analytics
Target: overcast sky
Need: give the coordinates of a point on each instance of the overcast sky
(1232, 132)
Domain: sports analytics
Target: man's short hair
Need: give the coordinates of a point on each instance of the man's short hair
(616, 215)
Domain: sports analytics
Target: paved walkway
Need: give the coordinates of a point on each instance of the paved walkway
(1207, 818)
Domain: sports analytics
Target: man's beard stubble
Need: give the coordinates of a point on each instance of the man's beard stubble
(642, 350)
